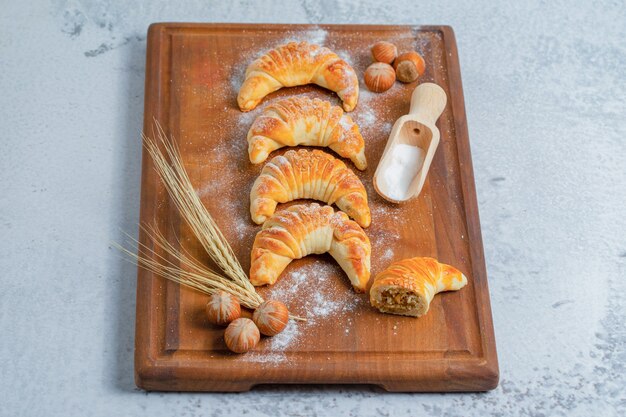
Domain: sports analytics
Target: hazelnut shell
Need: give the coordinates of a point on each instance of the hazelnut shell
(384, 52)
(409, 66)
(271, 317)
(241, 335)
(222, 308)
(379, 77)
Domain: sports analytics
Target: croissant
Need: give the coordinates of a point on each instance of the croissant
(407, 287)
(308, 174)
(301, 230)
(304, 121)
(298, 63)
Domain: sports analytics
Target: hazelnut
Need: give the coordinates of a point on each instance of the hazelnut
(271, 317)
(379, 77)
(241, 335)
(384, 52)
(409, 66)
(222, 308)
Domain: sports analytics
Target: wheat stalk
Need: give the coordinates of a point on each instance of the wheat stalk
(183, 194)
(187, 270)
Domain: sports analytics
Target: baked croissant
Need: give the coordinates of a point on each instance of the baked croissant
(407, 287)
(298, 63)
(302, 230)
(308, 174)
(304, 121)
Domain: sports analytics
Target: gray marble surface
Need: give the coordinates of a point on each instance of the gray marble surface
(545, 89)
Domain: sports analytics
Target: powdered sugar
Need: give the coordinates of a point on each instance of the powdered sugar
(316, 287)
(387, 255)
(366, 118)
(315, 36)
(284, 339)
(296, 280)
(323, 306)
(274, 347)
(316, 291)
(345, 123)
(244, 122)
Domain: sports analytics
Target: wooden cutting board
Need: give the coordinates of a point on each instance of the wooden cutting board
(193, 74)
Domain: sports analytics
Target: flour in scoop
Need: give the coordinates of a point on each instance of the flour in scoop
(406, 161)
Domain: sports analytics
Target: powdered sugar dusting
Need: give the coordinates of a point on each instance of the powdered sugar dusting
(316, 36)
(275, 346)
(297, 280)
(317, 291)
(366, 118)
(345, 123)
(244, 122)
(322, 306)
(315, 288)
(387, 255)
(282, 340)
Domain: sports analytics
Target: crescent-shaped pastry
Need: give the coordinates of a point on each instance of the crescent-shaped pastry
(308, 174)
(304, 121)
(298, 63)
(407, 287)
(302, 230)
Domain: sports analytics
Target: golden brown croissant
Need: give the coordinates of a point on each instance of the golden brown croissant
(301, 230)
(298, 63)
(308, 174)
(304, 121)
(407, 287)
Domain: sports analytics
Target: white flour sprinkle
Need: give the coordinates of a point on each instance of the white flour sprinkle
(387, 255)
(314, 291)
(273, 348)
(323, 307)
(286, 337)
(244, 228)
(244, 122)
(366, 118)
(345, 123)
(316, 36)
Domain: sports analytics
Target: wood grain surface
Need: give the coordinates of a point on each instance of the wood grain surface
(193, 73)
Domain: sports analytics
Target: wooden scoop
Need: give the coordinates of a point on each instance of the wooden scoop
(417, 129)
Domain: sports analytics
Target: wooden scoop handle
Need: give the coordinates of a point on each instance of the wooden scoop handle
(427, 103)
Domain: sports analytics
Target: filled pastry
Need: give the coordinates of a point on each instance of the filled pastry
(408, 286)
(302, 230)
(308, 174)
(298, 63)
(301, 120)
